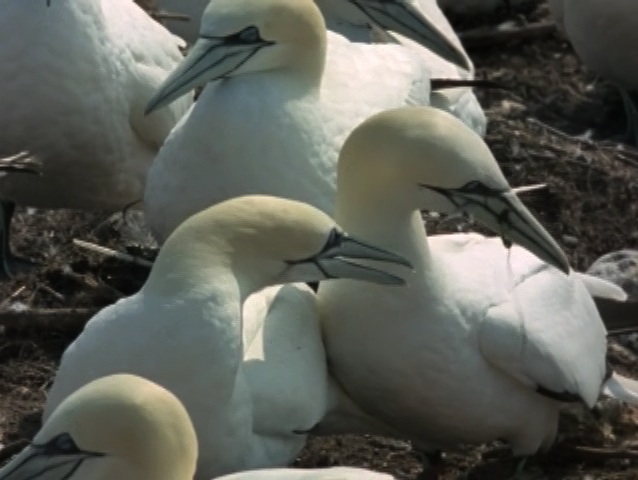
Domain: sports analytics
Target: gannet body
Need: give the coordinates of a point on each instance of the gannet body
(483, 343)
(76, 77)
(353, 22)
(276, 121)
(251, 382)
(127, 427)
(605, 35)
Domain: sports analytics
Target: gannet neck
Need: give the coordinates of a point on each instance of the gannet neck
(387, 222)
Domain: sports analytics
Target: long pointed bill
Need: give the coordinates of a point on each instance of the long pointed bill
(33, 464)
(406, 19)
(335, 261)
(211, 58)
(503, 213)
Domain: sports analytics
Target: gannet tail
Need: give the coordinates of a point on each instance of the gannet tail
(597, 287)
(621, 388)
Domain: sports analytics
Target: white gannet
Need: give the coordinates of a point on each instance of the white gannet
(126, 427)
(76, 78)
(410, 22)
(420, 20)
(417, 24)
(483, 343)
(186, 331)
(275, 121)
(604, 35)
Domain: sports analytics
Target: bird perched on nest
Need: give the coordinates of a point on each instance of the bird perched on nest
(251, 373)
(126, 427)
(603, 35)
(275, 121)
(76, 77)
(482, 343)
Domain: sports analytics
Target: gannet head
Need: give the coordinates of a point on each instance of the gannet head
(121, 426)
(405, 17)
(267, 241)
(238, 37)
(424, 158)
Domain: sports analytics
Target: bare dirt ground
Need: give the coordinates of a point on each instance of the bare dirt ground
(590, 206)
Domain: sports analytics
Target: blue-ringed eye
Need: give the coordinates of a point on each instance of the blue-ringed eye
(249, 35)
(63, 444)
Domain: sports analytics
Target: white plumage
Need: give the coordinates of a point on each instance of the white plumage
(127, 427)
(252, 381)
(76, 77)
(482, 340)
(275, 124)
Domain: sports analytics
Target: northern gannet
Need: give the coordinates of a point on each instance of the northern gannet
(252, 381)
(484, 342)
(604, 35)
(275, 121)
(417, 24)
(76, 78)
(126, 427)
(420, 20)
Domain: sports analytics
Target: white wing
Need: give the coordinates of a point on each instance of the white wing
(547, 333)
(150, 52)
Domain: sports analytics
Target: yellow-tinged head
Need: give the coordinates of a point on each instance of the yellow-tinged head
(121, 426)
(424, 158)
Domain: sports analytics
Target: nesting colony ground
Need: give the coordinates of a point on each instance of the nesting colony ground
(591, 206)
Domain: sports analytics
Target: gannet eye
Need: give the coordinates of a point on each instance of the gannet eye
(63, 444)
(248, 35)
(334, 239)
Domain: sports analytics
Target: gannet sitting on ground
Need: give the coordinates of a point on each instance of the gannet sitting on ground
(184, 328)
(276, 120)
(128, 428)
(603, 35)
(484, 343)
(76, 78)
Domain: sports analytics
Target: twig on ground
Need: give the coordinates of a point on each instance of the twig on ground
(108, 252)
(529, 188)
(594, 453)
(6, 301)
(99, 287)
(490, 36)
(58, 318)
(162, 15)
(623, 153)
